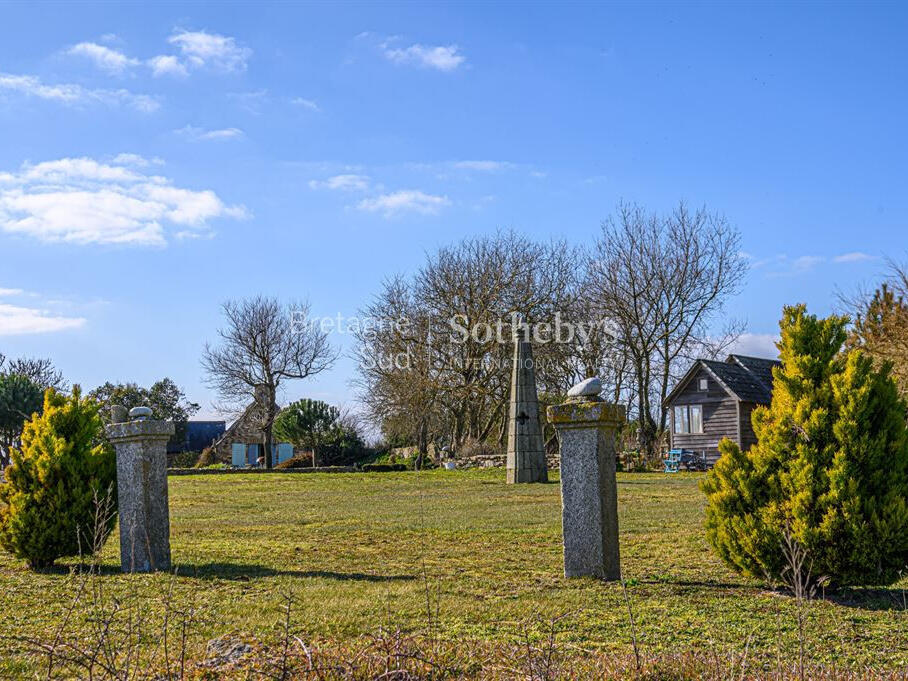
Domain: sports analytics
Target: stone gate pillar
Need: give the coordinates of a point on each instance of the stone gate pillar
(141, 447)
(589, 493)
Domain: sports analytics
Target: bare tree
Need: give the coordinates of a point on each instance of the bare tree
(703, 269)
(454, 348)
(398, 385)
(880, 322)
(40, 371)
(663, 281)
(263, 345)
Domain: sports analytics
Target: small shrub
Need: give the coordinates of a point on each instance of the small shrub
(206, 458)
(384, 467)
(830, 463)
(410, 461)
(56, 481)
(323, 429)
(182, 459)
(342, 447)
(296, 461)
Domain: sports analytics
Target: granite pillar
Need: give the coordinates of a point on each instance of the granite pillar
(589, 493)
(141, 448)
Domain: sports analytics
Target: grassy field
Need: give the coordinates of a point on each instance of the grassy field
(362, 551)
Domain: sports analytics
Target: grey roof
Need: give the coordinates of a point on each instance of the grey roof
(758, 366)
(747, 378)
(197, 435)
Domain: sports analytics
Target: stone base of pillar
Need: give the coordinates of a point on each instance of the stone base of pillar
(527, 474)
(589, 491)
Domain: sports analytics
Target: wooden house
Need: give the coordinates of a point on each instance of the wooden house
(714, 400)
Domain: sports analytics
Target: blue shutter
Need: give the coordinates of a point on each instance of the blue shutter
(238, 455)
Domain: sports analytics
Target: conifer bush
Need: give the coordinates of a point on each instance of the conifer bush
(56, 482)
(830, 466)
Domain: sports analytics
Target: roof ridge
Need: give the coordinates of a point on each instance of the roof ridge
(760, 359)
(757, 377)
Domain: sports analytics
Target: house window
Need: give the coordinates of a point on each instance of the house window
(696, 418)
(688, 419)
(703, 384)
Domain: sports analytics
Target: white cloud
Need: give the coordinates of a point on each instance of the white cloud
(202, 49)
(440, 57)
(485, 166)
(136, 160)
(74, 95)
(756, 345)
(83, 201)
(806, 262)
(782, 265)
(252, 102)
(167, 65)
(16, 320)
(855, 256)
(11, 292)
(104, 58)
(305, 103)
(404, 201)
(342, 182)
(201, 135)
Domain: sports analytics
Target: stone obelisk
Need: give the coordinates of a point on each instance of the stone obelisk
(526, 450)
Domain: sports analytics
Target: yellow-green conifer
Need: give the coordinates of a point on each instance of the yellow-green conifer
(49, 503)
(830, 464)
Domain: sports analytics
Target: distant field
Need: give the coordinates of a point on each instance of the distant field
(363, 551)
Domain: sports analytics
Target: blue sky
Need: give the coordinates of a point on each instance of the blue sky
(156, 160)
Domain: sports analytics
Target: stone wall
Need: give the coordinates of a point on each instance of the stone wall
(256, 471)
(552, 461)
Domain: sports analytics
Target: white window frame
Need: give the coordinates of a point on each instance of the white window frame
(698, 410)
(683, 419)
(703, 384)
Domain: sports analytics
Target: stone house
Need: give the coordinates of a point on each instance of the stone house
(242, 443)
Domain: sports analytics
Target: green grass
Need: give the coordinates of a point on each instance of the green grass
(360, 551)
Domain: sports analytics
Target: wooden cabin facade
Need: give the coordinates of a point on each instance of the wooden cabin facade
(714, 400)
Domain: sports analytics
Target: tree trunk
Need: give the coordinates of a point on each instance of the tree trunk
(666, 376)
(270, 397)
(267, 445)
(641, 407)
(422, 443)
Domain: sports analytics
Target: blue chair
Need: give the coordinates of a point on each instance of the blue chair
(673, 461)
